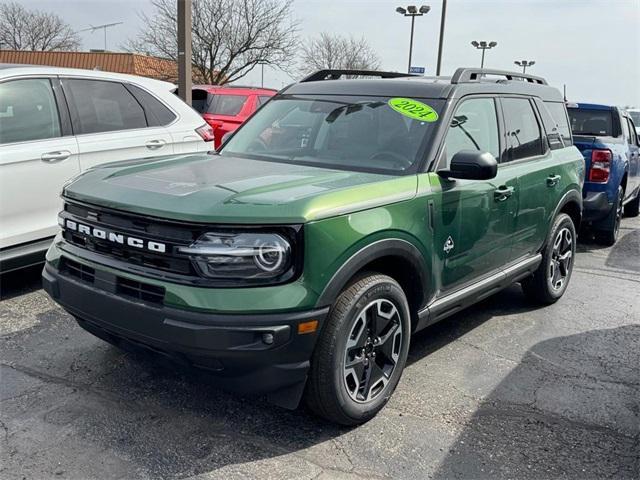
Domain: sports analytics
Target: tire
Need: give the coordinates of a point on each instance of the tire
(557, 259)
(609, 234)
(632, 209)
(334, 389)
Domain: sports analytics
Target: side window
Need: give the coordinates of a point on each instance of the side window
(262, 99)
(104, 106)
(524, 138)
(550, 126)
(28, 111)
(158, 114)
(558, 112)
(632, 132)
(625, 129)
(474, 126)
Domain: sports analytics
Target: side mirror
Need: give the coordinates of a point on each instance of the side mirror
(471, 165)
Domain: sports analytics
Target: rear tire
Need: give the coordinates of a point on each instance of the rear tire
(609, 234)
(632, 209)
(361, 352)
(550, 280)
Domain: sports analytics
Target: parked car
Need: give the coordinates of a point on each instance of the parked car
(634, 113)
(607, 138)
(58, 122)
(344, 216)
(225, 108)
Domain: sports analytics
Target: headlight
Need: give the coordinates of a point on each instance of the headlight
(241, 256)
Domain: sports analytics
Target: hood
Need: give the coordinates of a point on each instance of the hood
(216, 189)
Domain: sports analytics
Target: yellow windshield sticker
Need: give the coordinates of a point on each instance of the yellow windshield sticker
(414, 109)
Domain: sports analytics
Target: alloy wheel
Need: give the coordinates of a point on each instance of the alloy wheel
(561, 259)
(372, 350)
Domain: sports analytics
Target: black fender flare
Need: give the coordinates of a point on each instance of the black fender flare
(570, 196)
(373, 251)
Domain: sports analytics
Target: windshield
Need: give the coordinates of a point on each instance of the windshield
(586, 121)
(635, 116)
(205, 102)
(343, 132)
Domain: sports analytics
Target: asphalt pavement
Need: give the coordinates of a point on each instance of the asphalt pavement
(502, 390)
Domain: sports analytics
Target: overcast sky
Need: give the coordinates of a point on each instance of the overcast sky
(591, 45)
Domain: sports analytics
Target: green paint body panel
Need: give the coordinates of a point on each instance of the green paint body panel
(342, 212)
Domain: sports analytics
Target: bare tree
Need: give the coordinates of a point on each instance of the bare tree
(229, 37)
(337, 52)
(22, 29)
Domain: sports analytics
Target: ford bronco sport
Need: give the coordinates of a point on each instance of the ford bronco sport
(344, 216)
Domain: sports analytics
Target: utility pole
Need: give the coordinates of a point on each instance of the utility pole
(184, 50)
(440, 43)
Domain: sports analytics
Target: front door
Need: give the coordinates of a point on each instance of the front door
(473, 220)
(36, 160)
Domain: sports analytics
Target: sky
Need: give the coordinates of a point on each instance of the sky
(592, 46)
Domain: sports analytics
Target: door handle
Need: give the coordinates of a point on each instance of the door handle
(552, 180)
(53, 157)
(502, 193)
(155, 144)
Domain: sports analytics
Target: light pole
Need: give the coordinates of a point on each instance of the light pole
(261, 73)
(441, 41)
(524, 64)
(413, 12)
(484, 46)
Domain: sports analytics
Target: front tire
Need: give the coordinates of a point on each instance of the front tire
(361, 352)
(550, 280)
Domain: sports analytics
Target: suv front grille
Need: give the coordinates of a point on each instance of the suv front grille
(139, 290)
(77, 270)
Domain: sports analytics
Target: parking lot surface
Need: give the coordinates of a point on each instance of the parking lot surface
(501, 390)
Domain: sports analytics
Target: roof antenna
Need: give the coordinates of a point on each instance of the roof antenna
(564, 89)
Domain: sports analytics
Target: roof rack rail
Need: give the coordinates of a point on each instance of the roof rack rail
(466, 75)
(331, 74)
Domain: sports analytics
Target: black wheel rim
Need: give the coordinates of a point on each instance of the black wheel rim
(372, 351)
(561, 259)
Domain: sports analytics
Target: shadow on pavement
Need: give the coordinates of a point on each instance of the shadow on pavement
(20, 282)
(569, 409)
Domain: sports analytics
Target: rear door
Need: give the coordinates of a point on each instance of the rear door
(111, 124)
(529, 156)
(473, 219)
(38, 155)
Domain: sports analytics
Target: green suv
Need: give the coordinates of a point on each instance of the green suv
(344, 216)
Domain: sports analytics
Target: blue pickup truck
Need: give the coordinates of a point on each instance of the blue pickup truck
(607, 138)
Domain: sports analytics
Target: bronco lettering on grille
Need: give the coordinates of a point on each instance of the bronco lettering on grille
(114, 237)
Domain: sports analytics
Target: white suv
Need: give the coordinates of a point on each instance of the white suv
(56, 123)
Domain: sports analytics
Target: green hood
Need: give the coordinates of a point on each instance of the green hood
(215, 189)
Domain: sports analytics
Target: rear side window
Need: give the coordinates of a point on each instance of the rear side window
(158, 114)
(103, 106)
(633, 136)
(558, 112)
(216, 104)
(586, 121)
(28, 111)
(474, 126)
(262, 99)
(524, 138)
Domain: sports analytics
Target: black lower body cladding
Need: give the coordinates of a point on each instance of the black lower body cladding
(252, 353)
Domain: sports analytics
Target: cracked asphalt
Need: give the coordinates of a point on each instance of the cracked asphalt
(501, 390)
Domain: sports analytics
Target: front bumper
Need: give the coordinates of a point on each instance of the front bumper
(596, 206)
(249, 353)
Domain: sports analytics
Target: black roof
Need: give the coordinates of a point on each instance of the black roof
(465, 81)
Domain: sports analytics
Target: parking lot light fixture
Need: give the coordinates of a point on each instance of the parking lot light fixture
(484, 46)
(524, 64)
(413, 12)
